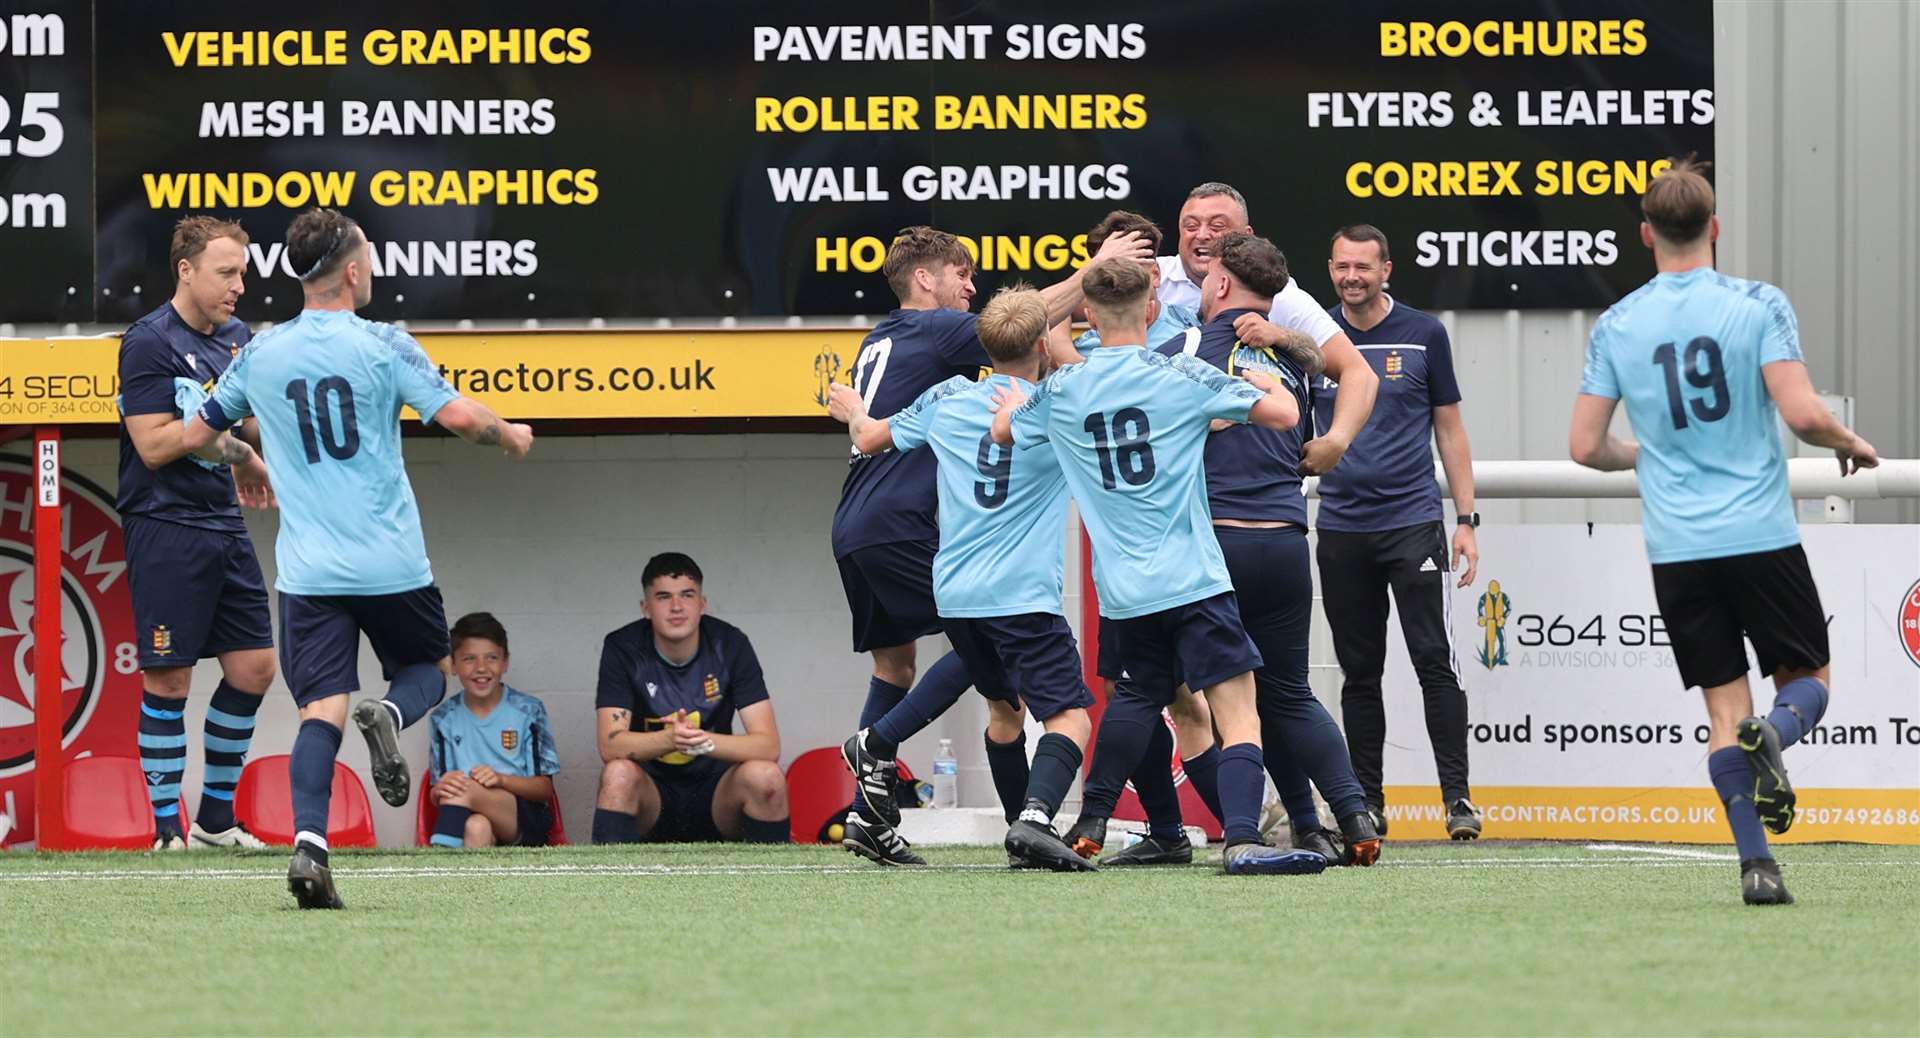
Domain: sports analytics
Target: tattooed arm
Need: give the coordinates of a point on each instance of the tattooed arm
(476, 423)
(618, 741)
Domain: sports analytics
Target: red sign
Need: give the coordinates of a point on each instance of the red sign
(1910, 623)
(99, 661)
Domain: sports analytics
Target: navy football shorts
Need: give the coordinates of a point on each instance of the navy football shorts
(320, 637)
(196, 592)
(1201, 643)
(890, 593)
(1030, 658)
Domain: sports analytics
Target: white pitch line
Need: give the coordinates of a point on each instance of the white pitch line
(1671, 852)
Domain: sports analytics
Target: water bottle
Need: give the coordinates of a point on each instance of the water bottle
(946, 776)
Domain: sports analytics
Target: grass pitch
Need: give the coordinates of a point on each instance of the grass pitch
(1463, 939)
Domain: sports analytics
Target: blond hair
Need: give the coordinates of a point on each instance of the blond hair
(1011, 322)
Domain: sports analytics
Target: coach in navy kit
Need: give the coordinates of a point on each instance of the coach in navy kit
(197, 588)
(1381, 524)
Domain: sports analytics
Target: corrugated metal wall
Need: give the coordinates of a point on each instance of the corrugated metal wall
(1818, 172)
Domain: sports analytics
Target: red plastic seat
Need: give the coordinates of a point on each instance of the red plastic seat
(264, 804)
(818, 787)
(107, 806)
(429, 813)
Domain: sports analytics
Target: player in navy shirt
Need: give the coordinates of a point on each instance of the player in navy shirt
(1259, 516)
(197, 588)
(670, 686)
(1715, 504)
(884, 532)
(1382, 527)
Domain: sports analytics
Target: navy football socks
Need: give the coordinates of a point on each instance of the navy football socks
(1203, 770)
(1243, 785)
(1733, 780)
(310, 771)
(882, 696)
(1797, 707)
(1008, 763)
(937, 690)
(1055, 761)
(163, 756)
(615, 826)
(1126, 729)
(450, 829)
(1153, 784)
(767, 830)
(228, 734)
(418, 688)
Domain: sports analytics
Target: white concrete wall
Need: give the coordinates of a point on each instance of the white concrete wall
(554, 547)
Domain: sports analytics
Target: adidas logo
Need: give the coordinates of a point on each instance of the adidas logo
(1428, 566)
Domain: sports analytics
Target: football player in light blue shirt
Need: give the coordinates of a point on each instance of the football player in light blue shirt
(996, 578)
(327, 388)
(1130, 429)
(1704, 363)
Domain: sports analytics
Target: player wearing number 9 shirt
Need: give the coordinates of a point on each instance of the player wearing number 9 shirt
(884, 530)
(327, 388)
(1704, 363)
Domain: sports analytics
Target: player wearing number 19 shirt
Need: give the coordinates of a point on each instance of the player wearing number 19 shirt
(1129, 428)
(327, 388)
(1704, 363)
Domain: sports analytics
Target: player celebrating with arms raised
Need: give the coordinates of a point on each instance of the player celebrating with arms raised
(1703, 362)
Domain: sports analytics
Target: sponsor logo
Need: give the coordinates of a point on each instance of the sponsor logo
(509, 738)
(99, 652)
(1428, 566)
(826, 368)
(193, 363)
(1495, 607)
(1909, 624)
(652, 690)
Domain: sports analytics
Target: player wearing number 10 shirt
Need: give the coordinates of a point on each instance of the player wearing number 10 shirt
(327, 388)
(1705, 363)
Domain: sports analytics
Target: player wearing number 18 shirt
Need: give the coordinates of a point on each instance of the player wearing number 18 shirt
(1129, 428)
(1704, 363)
(327, 388)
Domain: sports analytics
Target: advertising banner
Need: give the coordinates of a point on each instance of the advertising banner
(577, 160)
(1579, 726)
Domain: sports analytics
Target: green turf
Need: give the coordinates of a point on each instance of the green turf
(1489, 939)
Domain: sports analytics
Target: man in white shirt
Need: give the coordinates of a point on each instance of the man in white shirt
(1214, 210)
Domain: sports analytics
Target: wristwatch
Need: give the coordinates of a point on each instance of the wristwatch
(1469, 519)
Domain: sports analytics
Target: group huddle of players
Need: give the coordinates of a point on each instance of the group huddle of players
(1183, 439)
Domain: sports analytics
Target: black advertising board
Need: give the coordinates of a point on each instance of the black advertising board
(573, 160)
(46, 162)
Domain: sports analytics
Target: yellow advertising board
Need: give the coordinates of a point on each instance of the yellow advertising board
(525, 375)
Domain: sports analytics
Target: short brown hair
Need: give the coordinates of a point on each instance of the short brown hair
(1120, 222)
(1679, 203)
(1256, 262)
(192, 233)
(1117, 290)
(478, 625)
(318, 242)
(1364, 232)
(1011, 322)
(921, 247)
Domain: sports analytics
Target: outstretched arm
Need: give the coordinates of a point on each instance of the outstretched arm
(476, 423)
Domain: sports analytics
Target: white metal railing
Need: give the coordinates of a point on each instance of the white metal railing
(1811, 478)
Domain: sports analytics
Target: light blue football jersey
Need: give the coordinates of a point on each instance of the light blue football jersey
(327, 388)
(1684, 353)
(1171, 321)
(1003, 510)
(1129, 428)
(514, 738)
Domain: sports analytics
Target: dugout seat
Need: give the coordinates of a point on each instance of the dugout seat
(429, 813)
(106, 805)
(818, 787)
(264, 804)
